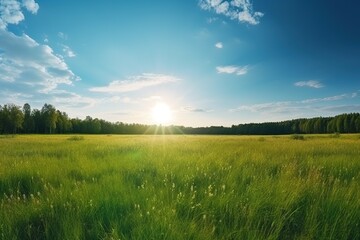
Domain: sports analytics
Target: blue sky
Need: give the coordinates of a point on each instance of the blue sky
(212, 62)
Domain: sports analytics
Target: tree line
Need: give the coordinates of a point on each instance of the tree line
(48, 120)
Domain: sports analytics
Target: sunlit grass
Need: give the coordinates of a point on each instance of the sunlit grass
(179, 187)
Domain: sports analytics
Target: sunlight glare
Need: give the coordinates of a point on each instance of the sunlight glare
(161, 113)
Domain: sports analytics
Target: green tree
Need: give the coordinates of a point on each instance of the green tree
(63, 123)
(331, 126)
(50, 116)
(96, 126)
(340, 123)
(1, 120)
(28, 126)
(12, 118)
(91, 125)
(17, 117)
(352, 123)
(357, 123)
(39, 126)
(295, 128)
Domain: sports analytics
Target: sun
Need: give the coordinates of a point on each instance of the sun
(161, 113)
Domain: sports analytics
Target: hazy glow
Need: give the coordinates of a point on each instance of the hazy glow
(161, 113)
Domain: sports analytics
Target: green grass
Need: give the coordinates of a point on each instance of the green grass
(179, 187)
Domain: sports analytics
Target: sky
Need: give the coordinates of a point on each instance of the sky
(210, 62)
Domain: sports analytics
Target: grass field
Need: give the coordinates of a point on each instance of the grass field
(179, 187)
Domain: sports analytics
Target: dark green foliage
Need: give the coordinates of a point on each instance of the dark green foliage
(344, 123)
(28, 124)
(11, 118)
(63, 123)
(50, 120)
(50, 116)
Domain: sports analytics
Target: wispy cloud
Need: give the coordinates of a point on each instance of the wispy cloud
(343, 108)
(212, 19)
(310, 84)
(219, 45)
(193, 109)
(328, 99)
(326, 104)
(135, 83)
(264, 107)
(19, 98)
(65, 99)
(62, 35)
(240, 10)
(68, 51)
(60, 98)
(238, 70)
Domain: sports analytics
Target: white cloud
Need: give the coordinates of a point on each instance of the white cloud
(14, 97)
(2, 24)
(29, 71)
(31, 6)
(10, 11)
(238, 70)
(307, 105)
(263, 107)
(219, 45)
(135, 83)
(240, 10)
(24, 61)
(193, 109)
(62, 99)
(310, 83)
(65, 99)
(246, 16)
(68, 51)
(332, 98)
(222, 8)
(342, 108)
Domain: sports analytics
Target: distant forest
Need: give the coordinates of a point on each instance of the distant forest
(48, 120)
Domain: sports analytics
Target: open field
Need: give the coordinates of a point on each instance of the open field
(179, 187)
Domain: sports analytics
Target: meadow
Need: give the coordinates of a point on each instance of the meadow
(179, 187)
